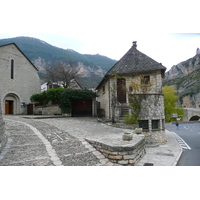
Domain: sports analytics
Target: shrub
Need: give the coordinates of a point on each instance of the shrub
(131, 119)
(65, 96)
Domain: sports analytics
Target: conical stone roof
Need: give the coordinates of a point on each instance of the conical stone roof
(135, 61)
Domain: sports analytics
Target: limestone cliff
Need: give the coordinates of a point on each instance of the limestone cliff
(186, 79)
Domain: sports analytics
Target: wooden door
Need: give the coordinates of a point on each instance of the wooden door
(121, 90)
(30, 109)
(82, 108)
(9, 106)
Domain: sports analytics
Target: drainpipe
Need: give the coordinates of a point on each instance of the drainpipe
(109, 96)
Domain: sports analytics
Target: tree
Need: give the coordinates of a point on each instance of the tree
(170, 101)
(137, 94)
(62, 73)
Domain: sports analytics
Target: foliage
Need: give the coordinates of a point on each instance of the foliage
(62, 73)
(180, 112)
(186, 85)
(46, 96)
(35, 48)
(139, 90)
(170, 102)
(69, 95)
(64, 96)
(130, 118)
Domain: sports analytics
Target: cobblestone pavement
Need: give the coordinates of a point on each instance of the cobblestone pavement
(34, 142)
(61, 141)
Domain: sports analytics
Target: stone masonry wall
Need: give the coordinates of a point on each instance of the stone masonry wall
(123, 155)
(2, 131)
(24, 83)
(47, 110)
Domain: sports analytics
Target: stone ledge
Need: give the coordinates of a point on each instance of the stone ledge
(119, 151)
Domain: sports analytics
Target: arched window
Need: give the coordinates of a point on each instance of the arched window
(12, 69)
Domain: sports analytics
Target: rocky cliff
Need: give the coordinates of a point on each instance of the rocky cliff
(41, 54)
(185, 77)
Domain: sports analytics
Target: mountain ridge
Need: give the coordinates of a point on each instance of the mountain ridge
(41, 54)
(185, 77)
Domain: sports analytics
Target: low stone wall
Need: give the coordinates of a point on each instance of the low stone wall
(47, 110)
(121, 152)
(151, 137)
(154, 137)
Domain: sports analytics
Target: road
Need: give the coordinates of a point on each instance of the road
(188, 136)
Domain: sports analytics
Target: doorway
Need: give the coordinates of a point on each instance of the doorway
(9, 107)
(121, 90)
(82, 108)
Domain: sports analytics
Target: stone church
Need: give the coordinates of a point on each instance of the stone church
(18, 80)
(115, 90)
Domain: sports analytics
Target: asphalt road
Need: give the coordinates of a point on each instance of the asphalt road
(188, 136)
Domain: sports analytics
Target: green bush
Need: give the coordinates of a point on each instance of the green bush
(130, 119)
(45, 97)
(64, 96)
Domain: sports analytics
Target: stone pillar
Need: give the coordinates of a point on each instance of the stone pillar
(161, 125)
(150, 125)
(2, 129)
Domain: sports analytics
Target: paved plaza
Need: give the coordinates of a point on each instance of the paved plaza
(61, 142)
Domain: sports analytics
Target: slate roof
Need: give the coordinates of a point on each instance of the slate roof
(135, 61)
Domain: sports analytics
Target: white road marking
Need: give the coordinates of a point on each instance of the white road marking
(58, 136)
(183, 144)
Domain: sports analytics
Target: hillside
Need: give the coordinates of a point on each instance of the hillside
(41, 53)
(186, 78)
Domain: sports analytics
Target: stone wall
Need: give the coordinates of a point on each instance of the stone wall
(24, 83)
(47, 110)
(128, 154)
(2, 131)
(153, 102)
(152, 107)
(155, 137)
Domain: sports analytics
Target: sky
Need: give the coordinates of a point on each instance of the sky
(166, 31)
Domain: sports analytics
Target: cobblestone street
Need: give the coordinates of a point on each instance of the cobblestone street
(44, 141)
(33, 142)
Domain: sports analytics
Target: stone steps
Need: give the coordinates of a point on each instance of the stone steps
(124, 112)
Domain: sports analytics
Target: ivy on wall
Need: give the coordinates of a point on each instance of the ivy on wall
(64, 96)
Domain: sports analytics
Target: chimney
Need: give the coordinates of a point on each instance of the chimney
(135, 44)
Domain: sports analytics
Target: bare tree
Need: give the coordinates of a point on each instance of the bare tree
(62, 73)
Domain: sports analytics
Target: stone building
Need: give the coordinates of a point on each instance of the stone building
(2, 131)
(114, 91)
(18, 80)
(74, 84)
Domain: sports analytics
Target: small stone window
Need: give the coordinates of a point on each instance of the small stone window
(104, 89)
(144, 124)
(155, 124)
(145, 80)
(12, 69)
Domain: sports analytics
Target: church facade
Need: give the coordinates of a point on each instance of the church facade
(18, 80)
